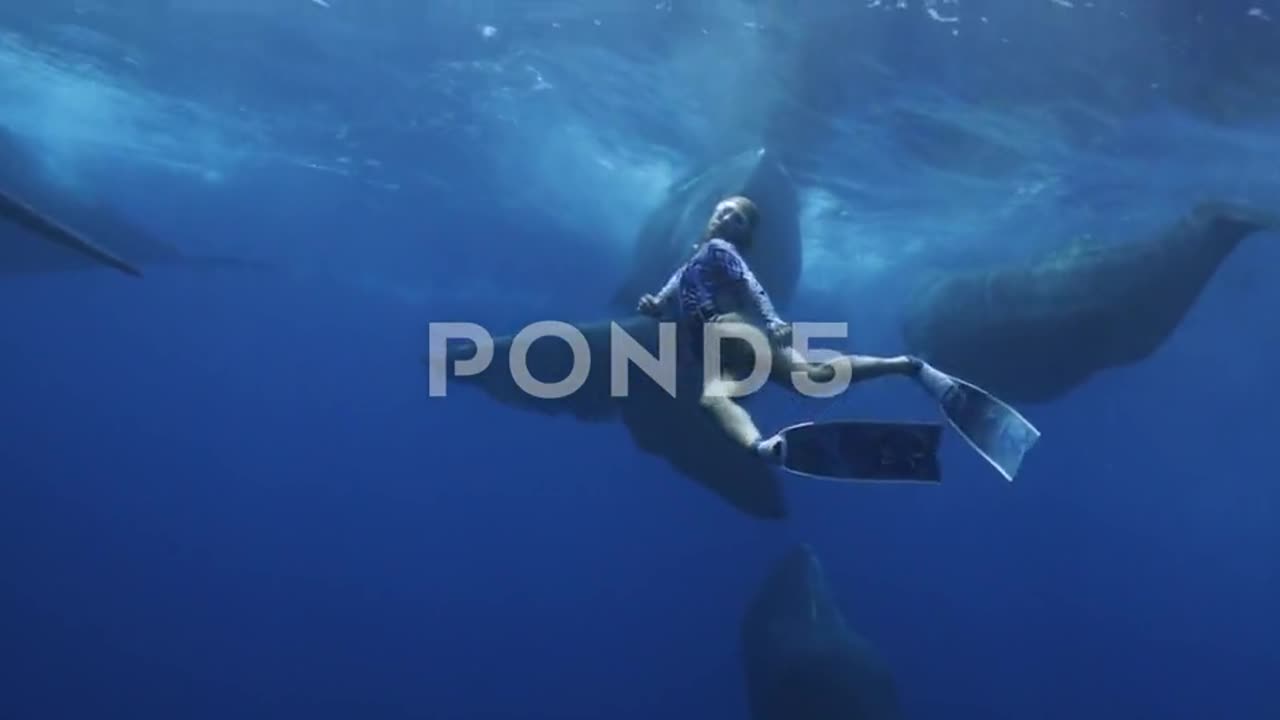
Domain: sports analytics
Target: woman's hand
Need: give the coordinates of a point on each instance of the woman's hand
(780, 334)
(649, 305)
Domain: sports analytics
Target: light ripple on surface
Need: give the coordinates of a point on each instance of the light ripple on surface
(1033, 123)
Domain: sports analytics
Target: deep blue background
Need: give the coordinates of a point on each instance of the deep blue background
(228, 494)
(232, 496)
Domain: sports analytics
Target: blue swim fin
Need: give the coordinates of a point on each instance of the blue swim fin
(998, 432)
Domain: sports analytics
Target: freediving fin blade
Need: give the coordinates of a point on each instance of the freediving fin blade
(998, 432)
(863, 451)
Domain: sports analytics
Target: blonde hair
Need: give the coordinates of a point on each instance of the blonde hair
(748, 208)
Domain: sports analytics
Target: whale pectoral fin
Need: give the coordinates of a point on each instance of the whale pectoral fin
(51, 230)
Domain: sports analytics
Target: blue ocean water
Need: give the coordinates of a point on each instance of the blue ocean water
(227, 493)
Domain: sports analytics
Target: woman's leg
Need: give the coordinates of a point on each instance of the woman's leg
(737, 359)
(853, 368)
(717, 400)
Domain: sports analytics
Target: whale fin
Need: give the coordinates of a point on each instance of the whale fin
(46, 228)
(801, 657)
(673, 428)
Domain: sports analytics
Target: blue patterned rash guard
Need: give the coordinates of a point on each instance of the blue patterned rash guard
(715, 281)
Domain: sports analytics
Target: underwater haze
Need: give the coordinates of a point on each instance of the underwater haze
(226, 492)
